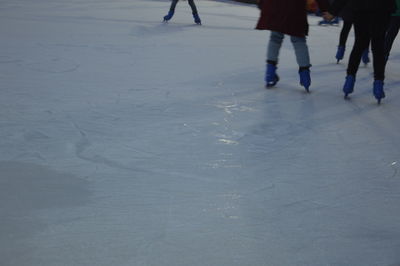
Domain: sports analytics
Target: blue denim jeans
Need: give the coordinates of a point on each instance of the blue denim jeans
(299, 45)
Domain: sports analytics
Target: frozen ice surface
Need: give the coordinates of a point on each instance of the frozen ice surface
(126, 141)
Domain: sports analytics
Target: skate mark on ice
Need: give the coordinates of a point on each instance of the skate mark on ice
(263, 189)
(231, 107)
(230, 136)
(222, 163)
(53, 65)
(394, 167)
(225, 206)
(231, 16)
(194, 130)
(35, 136)
(83, 144)
(228, 141)
(5, 59)
(79, 19)
(144, 31)
(29, 155)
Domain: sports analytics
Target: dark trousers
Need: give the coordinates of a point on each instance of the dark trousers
(369, 27)
(191, 3)
(344, 33)
(391, 34)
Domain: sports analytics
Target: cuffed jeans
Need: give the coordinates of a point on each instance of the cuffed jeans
(299, 45)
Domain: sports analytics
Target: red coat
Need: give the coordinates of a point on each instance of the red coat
(286, 16)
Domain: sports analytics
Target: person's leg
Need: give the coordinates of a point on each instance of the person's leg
(303, 60)
(301, 51)
(378, 26)
(344, 34)
(274, 46)
(173, 5)
(365, 56)
(362, 39)
(171, 10)
(391, 34)
(378, 53)
(193, 6)
(196, 17)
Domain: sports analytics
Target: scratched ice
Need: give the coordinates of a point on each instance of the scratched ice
(125, 141)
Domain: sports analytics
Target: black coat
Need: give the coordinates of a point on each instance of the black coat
(346, 13)
(362, 6)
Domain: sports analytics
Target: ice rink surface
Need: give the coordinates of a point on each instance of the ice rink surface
(125, 141)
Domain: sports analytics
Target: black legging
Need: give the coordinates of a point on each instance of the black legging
(344, 33)
(191, 3)
(391, 34)
(369, 27)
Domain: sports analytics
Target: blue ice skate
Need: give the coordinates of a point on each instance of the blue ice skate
(335, 21)
(378, 90)
(348, 86)
(305, 79)
(323, 22)
(271, 78)
(168, 16)
(365, 57)
(197, 19)
(340, 53)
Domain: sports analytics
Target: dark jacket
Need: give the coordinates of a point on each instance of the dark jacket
(365, 6)
(346, 13)
(398, 9)
(286, 16)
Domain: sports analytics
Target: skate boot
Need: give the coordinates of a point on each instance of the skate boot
(323, 22)
(340, 53)
(365, 57)
(378, 90)
(305, 79)
(334, 21)
(197, 19)
(168, 16)
(348, 86)
(271, 78)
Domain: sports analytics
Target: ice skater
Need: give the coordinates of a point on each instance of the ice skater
(347, 16)
(371, 19)
(287, 17)
(392, 31)
(171, 12)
